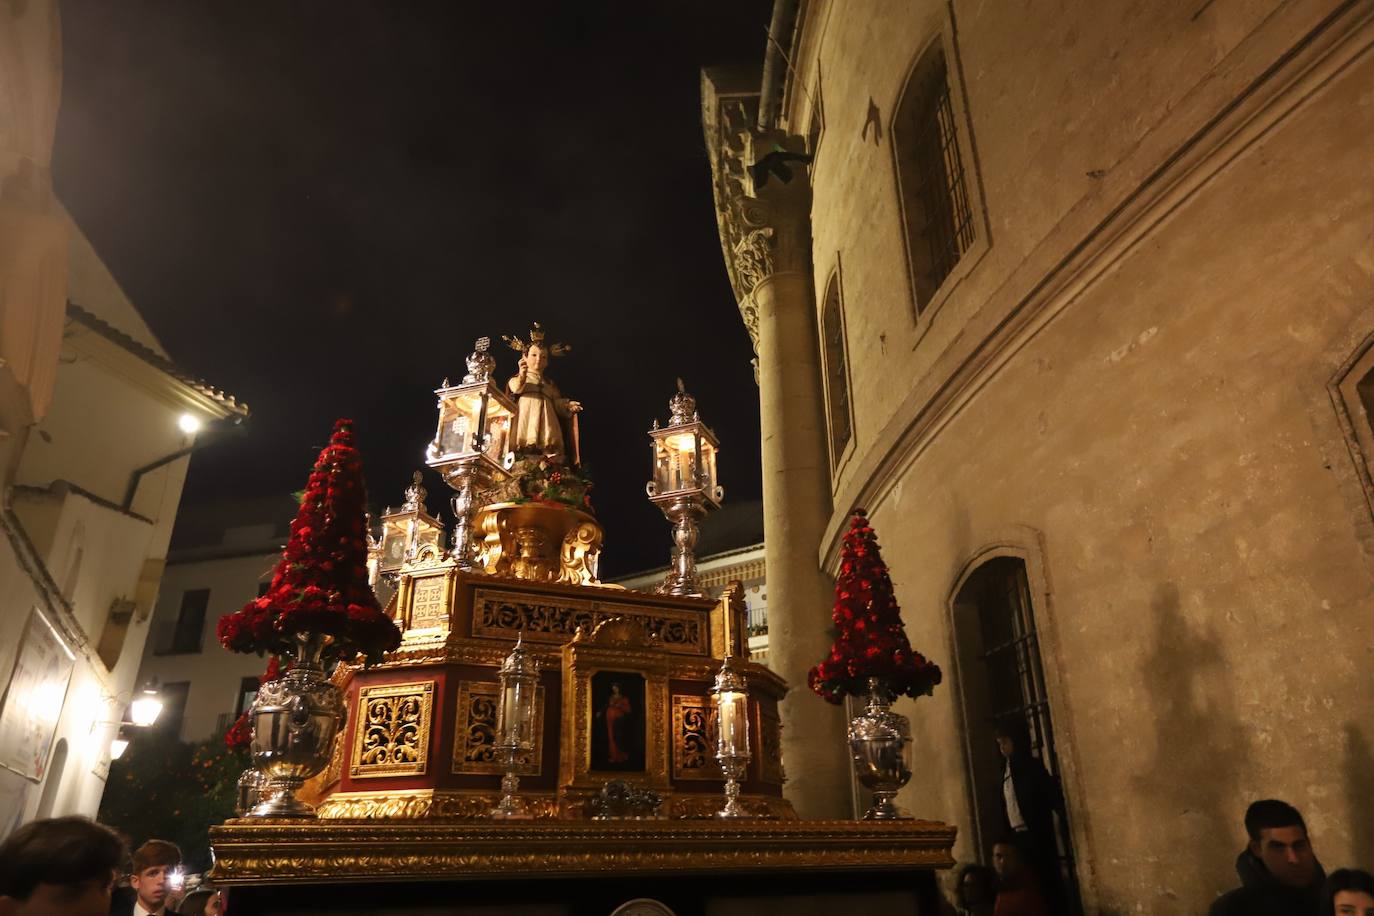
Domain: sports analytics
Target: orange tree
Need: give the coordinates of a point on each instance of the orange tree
(173, 790)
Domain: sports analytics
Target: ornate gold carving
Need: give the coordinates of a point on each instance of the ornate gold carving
(537, 542)
(474, 744)
(692, 752)
(768, 727)
(557, 620)
(619, 646)
(429, 602)
(268, 852)
(393, 730)
(426, 803)
(581, 554)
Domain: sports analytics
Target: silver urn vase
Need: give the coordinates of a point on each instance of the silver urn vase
(295, 719)
(880, 741)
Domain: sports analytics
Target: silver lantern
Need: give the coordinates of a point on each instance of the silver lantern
(515, 712)
(730, 697)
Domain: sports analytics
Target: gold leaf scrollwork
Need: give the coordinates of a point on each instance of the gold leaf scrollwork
(474, 748)
(393, 730)
(692, 756)
(506, 614)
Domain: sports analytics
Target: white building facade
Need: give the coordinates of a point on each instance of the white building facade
(222, 556)
(95, 441)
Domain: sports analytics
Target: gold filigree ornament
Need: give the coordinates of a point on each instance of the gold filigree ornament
(393, 730)
(474, 743)
(692, 753)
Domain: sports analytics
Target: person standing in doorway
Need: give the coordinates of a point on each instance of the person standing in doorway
(1031, 796)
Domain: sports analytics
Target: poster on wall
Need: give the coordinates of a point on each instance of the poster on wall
(33, 698)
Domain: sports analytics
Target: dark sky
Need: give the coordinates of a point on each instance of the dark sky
(318, 206)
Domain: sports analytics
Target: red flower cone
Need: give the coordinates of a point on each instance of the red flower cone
(871, 638)
(320, 583)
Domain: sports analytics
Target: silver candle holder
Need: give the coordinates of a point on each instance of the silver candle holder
(730, 697)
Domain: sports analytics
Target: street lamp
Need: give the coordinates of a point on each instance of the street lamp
(470, 445)
(684, 485)
(146, 706)
(144, 710)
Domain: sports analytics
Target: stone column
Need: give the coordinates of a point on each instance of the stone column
(772, 258)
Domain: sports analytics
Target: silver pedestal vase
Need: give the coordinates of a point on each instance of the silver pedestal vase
(295, 719)
(880, 741)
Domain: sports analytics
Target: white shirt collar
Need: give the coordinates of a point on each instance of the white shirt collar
(140, 911)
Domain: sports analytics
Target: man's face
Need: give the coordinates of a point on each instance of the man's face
(89, 899)
(151, 886)
(1287, 854)
(1006, 860)
(1005, 745)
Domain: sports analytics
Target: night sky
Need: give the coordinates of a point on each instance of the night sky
(318, 206)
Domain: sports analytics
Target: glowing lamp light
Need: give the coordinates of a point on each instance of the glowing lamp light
(145, 709)
(189, 423)
(117, 748)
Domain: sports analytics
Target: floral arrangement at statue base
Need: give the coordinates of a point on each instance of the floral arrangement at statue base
(872, 656)
(536, 479)
(318, 610)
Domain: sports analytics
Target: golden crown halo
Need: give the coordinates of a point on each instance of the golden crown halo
(536, 338)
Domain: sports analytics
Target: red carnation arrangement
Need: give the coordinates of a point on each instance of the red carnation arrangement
(871, 640)
(320, 584)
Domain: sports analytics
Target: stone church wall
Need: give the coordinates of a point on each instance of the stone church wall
(1132, 380)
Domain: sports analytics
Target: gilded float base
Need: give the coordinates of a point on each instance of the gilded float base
(263, 852)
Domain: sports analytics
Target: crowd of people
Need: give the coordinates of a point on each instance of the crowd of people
(1278, 869)
(72, 866)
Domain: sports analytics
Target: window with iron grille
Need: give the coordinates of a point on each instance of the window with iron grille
(936, 208)
(1002, 678)
(836, 371)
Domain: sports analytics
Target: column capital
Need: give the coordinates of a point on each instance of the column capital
(764, 216)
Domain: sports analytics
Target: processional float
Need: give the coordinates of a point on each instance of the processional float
(536, 722)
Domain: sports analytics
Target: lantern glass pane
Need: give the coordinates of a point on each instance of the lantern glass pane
(732, 730)
(455, 429)
(393, 545)
(498, 432)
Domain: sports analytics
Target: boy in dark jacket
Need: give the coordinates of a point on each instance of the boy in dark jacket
(1279, 873)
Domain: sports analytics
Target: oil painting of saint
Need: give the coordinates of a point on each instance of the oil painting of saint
(617, 730)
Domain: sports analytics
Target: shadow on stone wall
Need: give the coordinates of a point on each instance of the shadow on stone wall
(1199, 748)
(1359, 793)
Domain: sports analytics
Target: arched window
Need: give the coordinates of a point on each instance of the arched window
(834, 353)
(1000, 677)
(936, 207)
